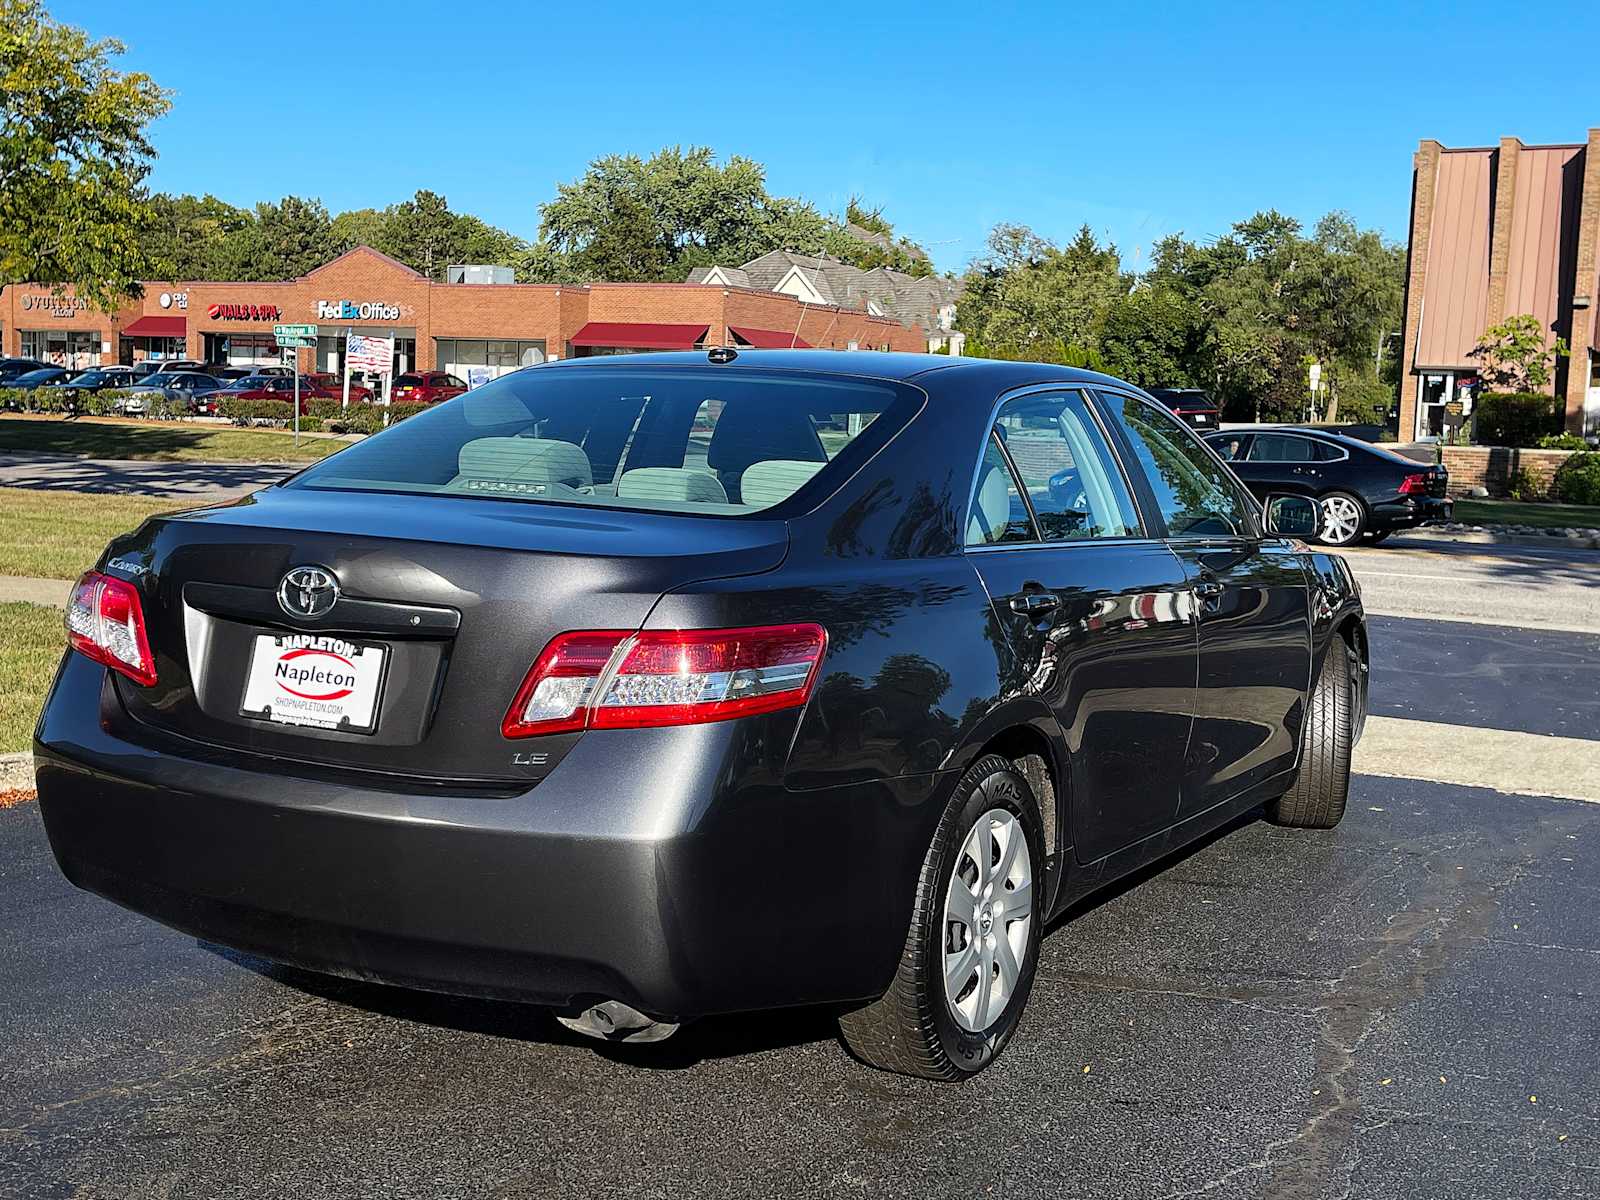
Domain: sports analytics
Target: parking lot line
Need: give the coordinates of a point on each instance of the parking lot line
(1523, 764)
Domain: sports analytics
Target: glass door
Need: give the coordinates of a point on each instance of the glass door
(1433, 392)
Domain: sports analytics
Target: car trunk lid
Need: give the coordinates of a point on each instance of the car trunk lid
(456, 596)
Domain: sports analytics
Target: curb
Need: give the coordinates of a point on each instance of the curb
(16, 772)
(1484, 537)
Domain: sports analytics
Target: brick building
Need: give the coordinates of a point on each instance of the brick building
(1497, 231)
(459, 327)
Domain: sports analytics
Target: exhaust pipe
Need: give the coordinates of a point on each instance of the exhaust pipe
(614, 1021)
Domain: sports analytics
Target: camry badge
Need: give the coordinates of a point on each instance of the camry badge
(308, 591)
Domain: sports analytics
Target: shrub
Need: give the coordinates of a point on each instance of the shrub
(1523, 485)
(1562, 441)
(1578, 480)
(1514, 418)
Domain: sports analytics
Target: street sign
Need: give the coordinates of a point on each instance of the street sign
(300, 331)
(284, 339)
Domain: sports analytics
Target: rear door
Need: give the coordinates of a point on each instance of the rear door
(1251, 599)
(1095, 611)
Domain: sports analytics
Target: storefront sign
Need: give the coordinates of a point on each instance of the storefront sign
(244, 312)
(349, 310)
(168, 299)
(55, 306)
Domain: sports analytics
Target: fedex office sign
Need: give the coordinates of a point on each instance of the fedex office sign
(349, 310)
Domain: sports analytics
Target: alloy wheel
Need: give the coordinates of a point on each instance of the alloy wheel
(988, 916)
(1341, 520)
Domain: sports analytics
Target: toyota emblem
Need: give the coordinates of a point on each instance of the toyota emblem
(308, 591)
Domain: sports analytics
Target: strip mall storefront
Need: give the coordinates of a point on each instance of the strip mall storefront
(475, 331)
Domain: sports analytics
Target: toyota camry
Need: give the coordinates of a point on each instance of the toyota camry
(653, 687)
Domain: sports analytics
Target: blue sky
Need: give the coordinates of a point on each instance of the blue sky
(1139, 119)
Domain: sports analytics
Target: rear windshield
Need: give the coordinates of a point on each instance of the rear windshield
(1189, 401)
(719, 441)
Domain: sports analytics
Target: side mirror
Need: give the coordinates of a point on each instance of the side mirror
(1293, 516)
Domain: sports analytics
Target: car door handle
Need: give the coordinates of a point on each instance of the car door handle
(1035, 604)
(1208, 589)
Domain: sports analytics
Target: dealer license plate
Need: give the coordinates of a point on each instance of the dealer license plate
(322, 682)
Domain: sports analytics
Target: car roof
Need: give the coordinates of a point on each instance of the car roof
(874, 364)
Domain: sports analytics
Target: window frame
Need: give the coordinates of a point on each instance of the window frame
(1145, 532)
(1145, 493)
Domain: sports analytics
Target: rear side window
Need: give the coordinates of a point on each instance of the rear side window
(1280, 447)
(722, 441)
(1072, 482)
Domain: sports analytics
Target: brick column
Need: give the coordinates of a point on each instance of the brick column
(1584, 287)
(1505, 203)
(1424, 179)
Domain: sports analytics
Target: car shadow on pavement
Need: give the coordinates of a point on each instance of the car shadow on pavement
(698, 1041)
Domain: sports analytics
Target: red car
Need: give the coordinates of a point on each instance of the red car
(331, 386)
(426, 387)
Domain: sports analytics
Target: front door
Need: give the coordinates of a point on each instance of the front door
(1097, 615)
(1433, 393)
(1251, 600)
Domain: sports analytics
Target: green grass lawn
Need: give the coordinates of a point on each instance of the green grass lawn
(58, 535)
(1510, 512)
(31, 641)
(158, 441)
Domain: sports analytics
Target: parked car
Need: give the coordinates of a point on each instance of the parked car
(1364, 489)
(269, 387)
(191, 387)
(228, 374)
(329, 384)
(95, 379)
(284, 372)
(542, 694)
(12, 368)
(29, 380)
(1193, 406)
(426, 387)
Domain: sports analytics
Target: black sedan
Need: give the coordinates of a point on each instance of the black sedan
(658, 686)
(95, 379)
(1365, 490)
(11, 369)
(43, 377)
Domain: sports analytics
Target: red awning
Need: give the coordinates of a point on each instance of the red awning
(157, 327)
(631, 336)
(769, 339)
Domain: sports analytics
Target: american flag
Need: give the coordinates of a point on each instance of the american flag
(373, 354)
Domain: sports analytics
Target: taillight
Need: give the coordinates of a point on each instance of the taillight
(1414, 485)
(106, 622)
(617, 680)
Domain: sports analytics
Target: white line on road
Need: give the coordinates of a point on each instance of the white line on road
(1520, 764)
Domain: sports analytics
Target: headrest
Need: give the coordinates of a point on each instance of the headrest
(775, 479)
(682, 484)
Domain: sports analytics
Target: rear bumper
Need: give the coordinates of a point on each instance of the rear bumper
(1412, 511)
(658, 867)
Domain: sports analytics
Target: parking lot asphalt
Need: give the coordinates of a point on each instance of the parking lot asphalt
(199, 481)
(1402, 1007)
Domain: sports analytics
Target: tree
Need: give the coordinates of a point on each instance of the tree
(1027, 295)
(633, 219)
(188, 236)
(1517, 356)
(425, 235)
(282, 241)
(73, 158)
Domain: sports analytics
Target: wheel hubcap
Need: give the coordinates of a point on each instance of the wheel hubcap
(1340, 518)
(988, 917)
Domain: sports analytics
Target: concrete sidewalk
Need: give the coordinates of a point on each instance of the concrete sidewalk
(51, 593)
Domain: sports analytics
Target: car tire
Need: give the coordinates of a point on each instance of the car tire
(1317, 799)
(917, 1027)
(1343, 519)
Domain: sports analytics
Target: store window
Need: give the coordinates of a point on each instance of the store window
(491, 358)
(62, 347)
(242, 349)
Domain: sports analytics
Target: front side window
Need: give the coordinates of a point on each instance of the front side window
(715, 442)
(1193, 492)
(1071, 479)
